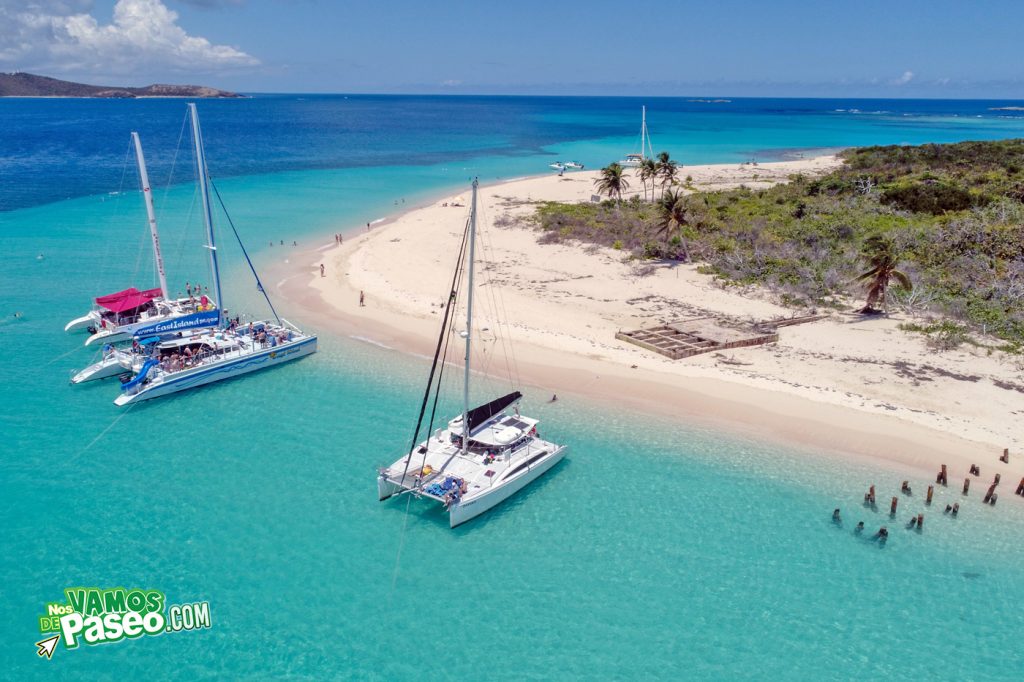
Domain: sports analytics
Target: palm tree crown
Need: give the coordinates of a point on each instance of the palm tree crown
(881, 254)
(666, 170)
(672, 218)
(648, 171)
(612, 181)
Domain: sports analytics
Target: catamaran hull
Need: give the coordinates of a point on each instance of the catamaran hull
(80, 324)
(108, 367)
(386, 488)
(109, 336)
(187, 379)
(466, 510)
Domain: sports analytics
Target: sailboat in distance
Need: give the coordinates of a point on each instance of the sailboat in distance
(484, 455)
(634, 160)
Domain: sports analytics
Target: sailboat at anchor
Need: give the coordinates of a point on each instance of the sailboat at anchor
(484, 455)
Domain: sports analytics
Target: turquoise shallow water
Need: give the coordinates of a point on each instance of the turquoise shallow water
(656, 550)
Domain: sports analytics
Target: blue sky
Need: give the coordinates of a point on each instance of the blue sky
(866, 48)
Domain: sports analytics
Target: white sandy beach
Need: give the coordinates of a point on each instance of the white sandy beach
(843, 384)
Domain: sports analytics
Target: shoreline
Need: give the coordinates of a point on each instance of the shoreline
(703, 393)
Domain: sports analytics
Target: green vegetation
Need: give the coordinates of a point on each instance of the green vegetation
(947, 218)
(881, 254)
(612, 181)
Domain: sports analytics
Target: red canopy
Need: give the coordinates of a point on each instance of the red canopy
(127, 299)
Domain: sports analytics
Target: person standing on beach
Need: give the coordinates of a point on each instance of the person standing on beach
(362, 299)
(322, 270)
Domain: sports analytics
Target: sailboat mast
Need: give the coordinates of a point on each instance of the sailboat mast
(645, 136)
(147, 196)
(469, 321)
(204, 190)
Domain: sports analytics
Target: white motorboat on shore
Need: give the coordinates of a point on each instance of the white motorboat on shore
(483, 456)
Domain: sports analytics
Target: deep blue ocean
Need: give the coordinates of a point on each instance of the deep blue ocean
(657, 550)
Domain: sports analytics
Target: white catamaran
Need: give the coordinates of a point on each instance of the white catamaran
(175, 355)
(487, 453)
(646, 150)
(116, 317)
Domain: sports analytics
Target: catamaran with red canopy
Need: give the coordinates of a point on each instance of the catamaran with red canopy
(117, 316)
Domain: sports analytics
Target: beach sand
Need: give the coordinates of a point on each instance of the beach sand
(844, 385)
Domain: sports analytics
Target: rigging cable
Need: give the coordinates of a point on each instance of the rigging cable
(444, 336)
(259, 284)
(501, 314)
(104, 274)
(437, 351)
(167, 192)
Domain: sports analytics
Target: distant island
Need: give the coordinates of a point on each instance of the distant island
(31, 85)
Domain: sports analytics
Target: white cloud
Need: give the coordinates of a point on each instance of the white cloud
(904, 79)
(451, 83)
(144, 37)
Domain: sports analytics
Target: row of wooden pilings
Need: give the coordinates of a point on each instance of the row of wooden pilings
(990, 496)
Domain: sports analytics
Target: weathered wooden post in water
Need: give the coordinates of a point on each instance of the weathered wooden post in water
(892, 507)
(941, 478)
(931, 490)
(1020, 488)
(967, 485)
(1005, 459)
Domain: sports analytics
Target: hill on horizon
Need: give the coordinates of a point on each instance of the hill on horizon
(21, 84)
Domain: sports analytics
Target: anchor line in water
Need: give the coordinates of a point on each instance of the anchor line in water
(259, 284)
(398, 555)
(441, 343)
(102, 433)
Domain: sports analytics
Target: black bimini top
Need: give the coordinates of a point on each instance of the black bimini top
(479, 415)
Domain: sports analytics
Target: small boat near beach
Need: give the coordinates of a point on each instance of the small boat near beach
(482, 456)
(116, 317)
(557, 165)
(175, 355)
(572, 165)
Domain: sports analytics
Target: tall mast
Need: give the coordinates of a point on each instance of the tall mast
(469, 321)
(147, 196)
(204, 190)
(643, 130)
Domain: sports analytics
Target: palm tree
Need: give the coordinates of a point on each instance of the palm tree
(672, 218)
(612, 181)
(666, 170)
(648, 170)
(881, 254)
